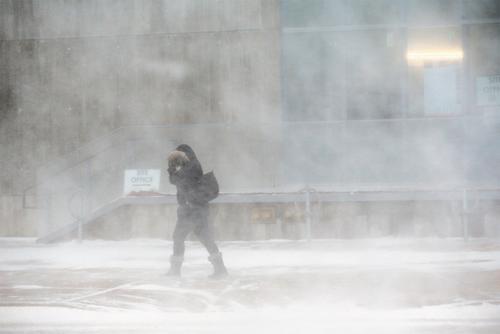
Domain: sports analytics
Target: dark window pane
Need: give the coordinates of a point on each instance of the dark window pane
(299, 13)
(331, 76)
(422, 12)
(327, 13)
(313, 72)
(373, 72)
(481, 9)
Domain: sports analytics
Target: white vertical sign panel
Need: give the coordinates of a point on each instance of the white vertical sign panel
(440, 89)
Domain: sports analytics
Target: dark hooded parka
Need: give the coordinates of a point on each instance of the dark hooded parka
(192, 214)
(187, 178)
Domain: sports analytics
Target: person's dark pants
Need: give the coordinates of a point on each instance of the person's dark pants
(193, 219)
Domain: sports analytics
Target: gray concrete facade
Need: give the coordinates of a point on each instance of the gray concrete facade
(74, 71)
(272, 95)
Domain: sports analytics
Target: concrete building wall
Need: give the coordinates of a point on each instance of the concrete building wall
(74, 71)
(213, 74)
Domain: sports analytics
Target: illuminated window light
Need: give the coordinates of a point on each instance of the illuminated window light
(434, 56)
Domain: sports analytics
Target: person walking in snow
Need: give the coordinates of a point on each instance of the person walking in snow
(186, 173)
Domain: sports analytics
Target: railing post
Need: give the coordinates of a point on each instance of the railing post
(465, 213)
(48, 213)
(308, 214)
(81, 215)
(86, 208)
(80, 231)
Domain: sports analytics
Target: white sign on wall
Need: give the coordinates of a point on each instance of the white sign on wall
(488, 90)
(141, 180)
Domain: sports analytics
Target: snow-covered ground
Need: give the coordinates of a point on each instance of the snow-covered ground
(327, 286)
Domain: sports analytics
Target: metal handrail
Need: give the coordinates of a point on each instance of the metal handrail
(302, 195)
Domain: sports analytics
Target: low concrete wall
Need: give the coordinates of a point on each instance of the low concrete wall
(16, 221)
(329, 220)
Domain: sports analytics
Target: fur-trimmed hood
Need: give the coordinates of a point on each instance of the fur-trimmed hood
(177, 158)
(188, 150)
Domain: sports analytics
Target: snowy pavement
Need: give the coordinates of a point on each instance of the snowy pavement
(327, 286)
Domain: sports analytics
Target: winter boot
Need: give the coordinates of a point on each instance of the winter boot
(175, 266)
(219, 267)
